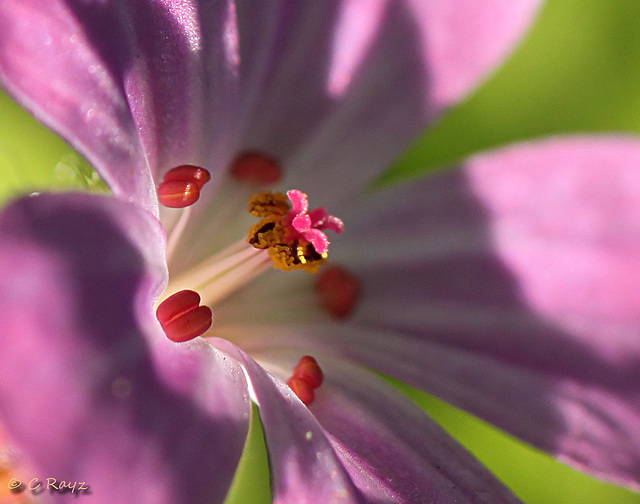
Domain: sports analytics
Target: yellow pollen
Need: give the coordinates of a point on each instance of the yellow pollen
(272, 233)
(267, 203)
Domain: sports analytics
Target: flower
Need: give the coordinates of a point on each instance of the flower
(462, 284)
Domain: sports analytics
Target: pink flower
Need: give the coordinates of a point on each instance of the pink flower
(507, 286)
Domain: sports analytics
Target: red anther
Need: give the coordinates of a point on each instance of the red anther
(182, 317)
(309, 371)
(302, 389)
(339, 291)
(181, 186)
(178, 193)
(256, 168)
(188, 173)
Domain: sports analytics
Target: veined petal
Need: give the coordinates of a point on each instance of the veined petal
(137, 87)
(336, 90)
(507, 288)
(330, 86)
(92, 390)
(528, 297)
(304, 466)
(392, 450)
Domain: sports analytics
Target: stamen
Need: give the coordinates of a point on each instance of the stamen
(309, 371)
(302, 389)
(307, 376)
(182, 317)
(223, 273)
(291, 233)
(188, 172)
(181, 186)
(339, 291)
(256, 168)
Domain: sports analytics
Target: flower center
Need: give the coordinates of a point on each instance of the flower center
(293, 236)
(288, 237)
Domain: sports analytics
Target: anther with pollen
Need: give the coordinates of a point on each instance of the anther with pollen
(182, 317)
(293, 235)
(182, 185)
(307, 376)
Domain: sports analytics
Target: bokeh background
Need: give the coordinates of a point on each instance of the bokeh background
(578, 71)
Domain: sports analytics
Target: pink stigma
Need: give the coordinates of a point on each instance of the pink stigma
(309, 225)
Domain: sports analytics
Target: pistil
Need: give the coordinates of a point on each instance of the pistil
(293, 236)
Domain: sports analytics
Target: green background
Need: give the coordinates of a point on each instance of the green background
(578, 71)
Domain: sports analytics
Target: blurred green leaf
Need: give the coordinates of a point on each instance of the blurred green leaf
(534, 476)
(33, 158)
(251, 483)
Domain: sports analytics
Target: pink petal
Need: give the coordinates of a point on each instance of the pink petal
(92, 390)
(392, 450)
(337, 89)
(519, 290)
(304, 466)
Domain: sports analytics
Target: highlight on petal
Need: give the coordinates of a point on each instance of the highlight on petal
(329, 86)
(92, 390)
(465, 40)
(462, 40)
(304, 467)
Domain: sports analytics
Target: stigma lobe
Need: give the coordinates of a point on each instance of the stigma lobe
(181, 186)
(307, 376)
(182, 317)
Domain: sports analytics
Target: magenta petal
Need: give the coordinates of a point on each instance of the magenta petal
(337, 89)
(304, 466)
(91, 390)
(392, 450)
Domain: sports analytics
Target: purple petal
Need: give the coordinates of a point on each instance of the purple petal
(508, 288)
(136, 86)
(92, 390)
(304, 466)
(519, 292)
(392, 450)
(337, 89)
